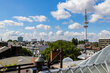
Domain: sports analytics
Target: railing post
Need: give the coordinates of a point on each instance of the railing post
(39, 63)
(61, 57)
(19, 69)
(48, 64)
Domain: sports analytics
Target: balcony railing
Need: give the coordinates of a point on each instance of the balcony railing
(17, 67)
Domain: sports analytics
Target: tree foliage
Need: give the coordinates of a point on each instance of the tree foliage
(15, 41)
(9, 40)
(75, 41)
(26, 52)
(95, 44)
(69, 49)
(81, 42)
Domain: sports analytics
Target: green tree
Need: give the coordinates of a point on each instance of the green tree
(69, 50)
(75, 41)
(9, 40)
(14, 41)
(95, 44)
(81, 42)
(26, 52)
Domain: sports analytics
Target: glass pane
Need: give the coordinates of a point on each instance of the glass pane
(93, 58)
(77, 71)
(93, 69)
(103, 55)
(101, 69)
(85, 70)
(54, 71)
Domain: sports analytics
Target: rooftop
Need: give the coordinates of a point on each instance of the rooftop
(16, 60)
(98, 63)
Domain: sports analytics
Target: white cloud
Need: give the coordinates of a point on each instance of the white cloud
(44, 27)
(43, 34)
(59, 35)
(59, 32)
(105, 19)
(12, 33)
(101, 10)
(50, 33)
(9, 35)
(80, 35)
(40, 18)
(69, 35)
(93, 37)
(15, 34)
(2, 26)
(10, 23)
(77, 6)
(21, 18)
(49, 37)
(75, 26)
(29, 28)
(74, 6)
(95, 17)
(60, 14)
(104, 34)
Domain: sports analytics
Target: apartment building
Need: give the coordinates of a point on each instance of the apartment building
(104, 42)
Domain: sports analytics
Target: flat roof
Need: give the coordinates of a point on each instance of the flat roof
(16, 60)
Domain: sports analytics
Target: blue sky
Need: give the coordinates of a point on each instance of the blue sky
(54, 19)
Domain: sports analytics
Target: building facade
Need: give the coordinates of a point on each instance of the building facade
(104, 42)
(3, 44)
(20, 39)
(34, 40)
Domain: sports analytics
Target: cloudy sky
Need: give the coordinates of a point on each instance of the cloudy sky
(54, 19)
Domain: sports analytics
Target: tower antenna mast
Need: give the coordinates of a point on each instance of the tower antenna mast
(85, 26)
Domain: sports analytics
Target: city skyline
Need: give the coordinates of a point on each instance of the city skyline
(54, 19)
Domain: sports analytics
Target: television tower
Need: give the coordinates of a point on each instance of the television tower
(85, 26)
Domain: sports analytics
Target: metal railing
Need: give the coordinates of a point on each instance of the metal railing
(17, 67)
(94, 68)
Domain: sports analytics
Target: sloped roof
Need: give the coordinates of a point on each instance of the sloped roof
(2, 49)
(100, 57)
(98, 63)
(83, 56)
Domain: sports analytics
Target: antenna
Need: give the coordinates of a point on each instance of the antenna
(85, 26)
(85, 20)
(1, 39)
